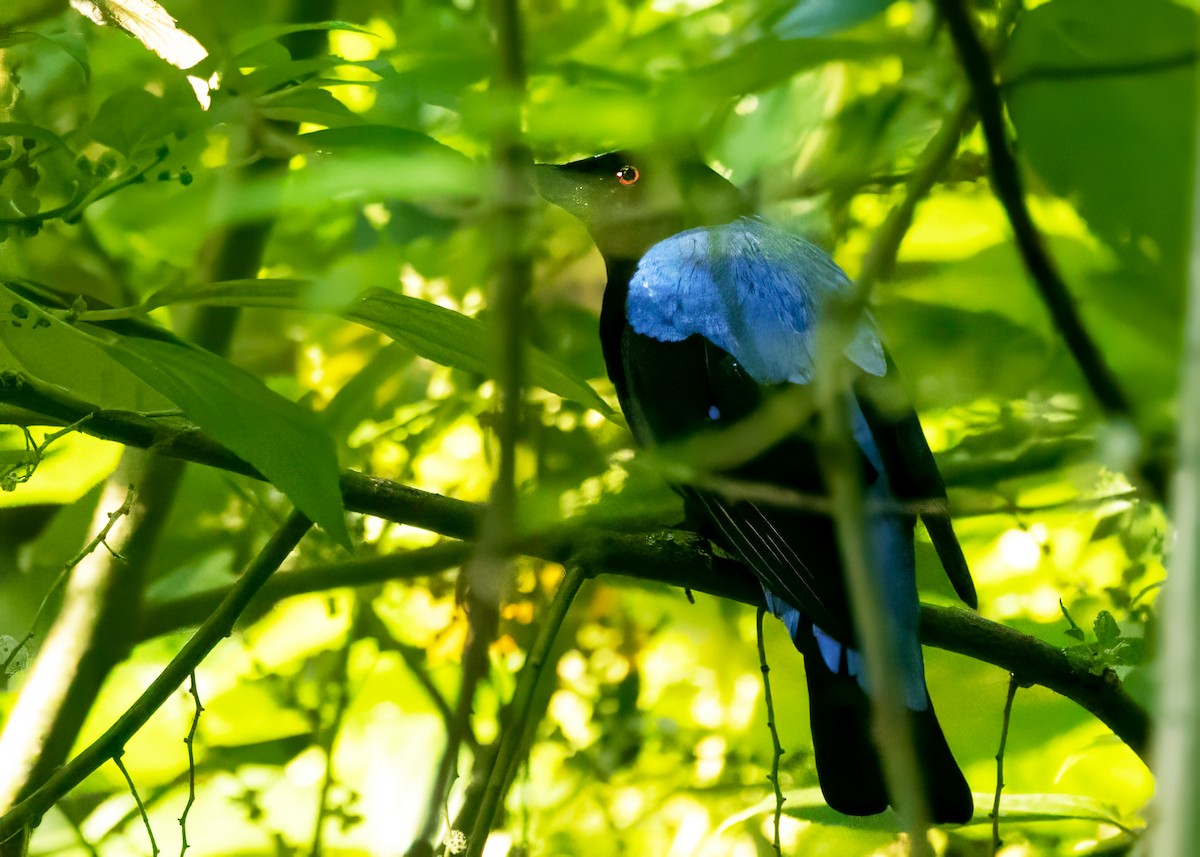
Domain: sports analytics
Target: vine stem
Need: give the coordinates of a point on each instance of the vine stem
(776, 747)
(1013, 684)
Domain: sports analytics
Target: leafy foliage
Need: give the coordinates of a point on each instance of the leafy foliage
(323, 191)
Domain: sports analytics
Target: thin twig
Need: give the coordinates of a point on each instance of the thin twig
(483, 627)
(776, 747)
(190, 742)
(1009, 189)
(99, 539)
(1013, 684)
(138, 799)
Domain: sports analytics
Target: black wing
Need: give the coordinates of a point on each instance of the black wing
(912, 471)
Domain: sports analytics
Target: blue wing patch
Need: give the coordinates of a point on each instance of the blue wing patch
(749, 288)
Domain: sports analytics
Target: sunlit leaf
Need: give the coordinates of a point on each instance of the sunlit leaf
(149, 23)
(809, 805)
(281, 439)
(434, 332)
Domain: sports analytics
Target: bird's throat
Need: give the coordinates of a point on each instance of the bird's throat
(613, 321)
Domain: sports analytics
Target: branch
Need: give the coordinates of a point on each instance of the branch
(501, 767)
(167, 616)
(684, 560)
(1035, 661)
(1006, 180)
(111, 744)
(672, 557)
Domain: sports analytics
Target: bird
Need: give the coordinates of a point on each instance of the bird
(708, 312)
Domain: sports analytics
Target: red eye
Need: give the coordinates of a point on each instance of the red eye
(628, 175)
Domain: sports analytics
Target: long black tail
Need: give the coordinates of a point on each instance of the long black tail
(848, 764)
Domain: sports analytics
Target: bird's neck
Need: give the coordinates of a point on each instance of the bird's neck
(613, 319)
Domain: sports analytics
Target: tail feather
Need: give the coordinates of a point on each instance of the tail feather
(848, 765)
(847, 762)
(946, 791)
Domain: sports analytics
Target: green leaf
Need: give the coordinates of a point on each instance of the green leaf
(133, 365)
(1128, 652)
(284, 441)
(435, 333)
(55, 352)
(369, 176)
(380, 138)
(1106, 628)
(809, 805)
(765, 63)
(249, 39)
(149, 23)
(306, 104)
(1082, 71)
(821, 17)
(133, 120)
(1074, 632)
(453, 339)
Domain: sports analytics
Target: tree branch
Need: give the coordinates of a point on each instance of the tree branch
(684, 560)
(675, 558)
(112, 742)
(672, 557)
(1009, 189)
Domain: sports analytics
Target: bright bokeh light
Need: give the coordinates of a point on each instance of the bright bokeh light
(1020, 549)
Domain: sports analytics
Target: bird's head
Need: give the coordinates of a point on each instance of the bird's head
(629, 201)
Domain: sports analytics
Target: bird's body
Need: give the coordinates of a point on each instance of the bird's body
(708, 313)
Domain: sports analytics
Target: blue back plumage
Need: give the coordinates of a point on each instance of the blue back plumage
(751, 289)
(757, 292)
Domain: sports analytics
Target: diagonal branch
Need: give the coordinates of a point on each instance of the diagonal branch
(1009, 189)
(112, 743)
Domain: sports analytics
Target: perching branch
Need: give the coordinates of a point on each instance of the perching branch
(684, 560)
(1009, 189)
(676, 558)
